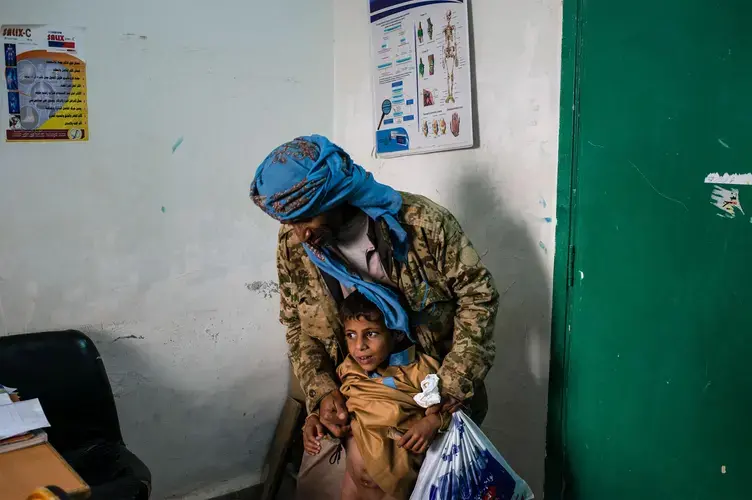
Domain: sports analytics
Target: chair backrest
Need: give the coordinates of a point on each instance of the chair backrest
(64, 370)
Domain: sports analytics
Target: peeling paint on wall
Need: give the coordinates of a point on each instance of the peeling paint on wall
(136, 337)
(265, 288)
(177, 144)
(130, 36)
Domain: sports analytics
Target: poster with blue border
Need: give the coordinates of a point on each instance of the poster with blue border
(420, 66)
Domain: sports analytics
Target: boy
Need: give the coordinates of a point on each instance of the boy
(390, 431)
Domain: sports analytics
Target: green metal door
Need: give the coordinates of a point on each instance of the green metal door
(651, 394)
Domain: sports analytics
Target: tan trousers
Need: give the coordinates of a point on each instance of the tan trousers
(318, 479)
(320, 476)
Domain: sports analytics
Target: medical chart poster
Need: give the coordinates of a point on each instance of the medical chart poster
(45, 84)
(420, 64)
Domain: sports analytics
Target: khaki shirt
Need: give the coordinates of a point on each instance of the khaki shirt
(450, 297)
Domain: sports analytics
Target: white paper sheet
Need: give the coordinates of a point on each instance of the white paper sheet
(21, 417)
(5, 399)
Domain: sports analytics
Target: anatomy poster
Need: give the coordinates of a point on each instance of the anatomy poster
(421, 76)
(45, 84)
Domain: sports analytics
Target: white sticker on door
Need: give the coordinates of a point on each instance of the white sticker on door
(727, 200)
(716, 178)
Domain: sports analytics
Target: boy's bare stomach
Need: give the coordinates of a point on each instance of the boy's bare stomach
(357, 484)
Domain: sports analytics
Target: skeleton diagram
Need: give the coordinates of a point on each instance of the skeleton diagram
(450, 54)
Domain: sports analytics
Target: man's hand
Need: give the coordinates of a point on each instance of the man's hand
(420, 436)
(449, 405)
(333, 413)
(313, 432)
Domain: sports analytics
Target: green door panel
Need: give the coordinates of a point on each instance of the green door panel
(657, 391)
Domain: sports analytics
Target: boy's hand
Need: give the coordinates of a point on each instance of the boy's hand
(421, 434)
(448, 405)
(313, 432)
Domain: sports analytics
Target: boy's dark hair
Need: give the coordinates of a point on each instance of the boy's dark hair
(357, 306)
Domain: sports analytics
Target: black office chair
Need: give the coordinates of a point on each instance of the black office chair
(64, 370)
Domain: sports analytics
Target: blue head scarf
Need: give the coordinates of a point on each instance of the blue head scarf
(311, 175)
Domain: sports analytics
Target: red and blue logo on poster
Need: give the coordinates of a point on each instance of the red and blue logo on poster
(56, 40)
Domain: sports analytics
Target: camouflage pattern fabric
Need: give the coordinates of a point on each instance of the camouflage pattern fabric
(451, 296)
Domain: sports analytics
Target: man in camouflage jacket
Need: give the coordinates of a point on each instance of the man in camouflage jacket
(449, 295)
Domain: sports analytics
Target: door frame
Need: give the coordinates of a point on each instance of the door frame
(563, 276)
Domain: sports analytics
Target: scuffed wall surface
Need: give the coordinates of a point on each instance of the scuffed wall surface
(503, 193)
(159, 256)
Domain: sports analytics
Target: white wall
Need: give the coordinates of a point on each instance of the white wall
(501, 192)
(178, 302)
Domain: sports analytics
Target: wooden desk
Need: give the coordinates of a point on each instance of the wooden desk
(22, 471)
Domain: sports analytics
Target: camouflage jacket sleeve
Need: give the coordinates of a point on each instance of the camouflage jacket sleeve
(473, 348)
(309, 358)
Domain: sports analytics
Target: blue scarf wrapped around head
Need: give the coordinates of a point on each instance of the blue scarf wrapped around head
(311, 175)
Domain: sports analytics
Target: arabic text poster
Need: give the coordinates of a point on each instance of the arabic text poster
(45, 84)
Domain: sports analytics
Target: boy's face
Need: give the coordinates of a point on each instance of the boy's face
(369, 342)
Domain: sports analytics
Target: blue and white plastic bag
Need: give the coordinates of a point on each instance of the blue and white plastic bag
(462, 464)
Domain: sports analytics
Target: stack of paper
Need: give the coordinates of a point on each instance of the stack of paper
(19, 417)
